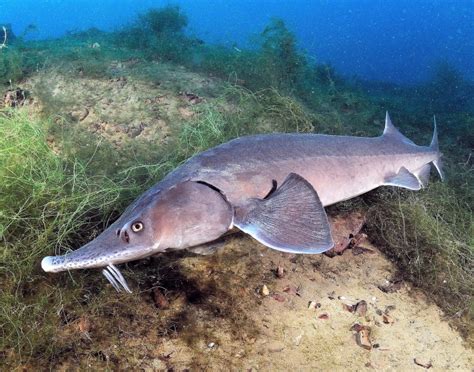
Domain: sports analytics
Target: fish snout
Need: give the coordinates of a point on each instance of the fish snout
(52, 264)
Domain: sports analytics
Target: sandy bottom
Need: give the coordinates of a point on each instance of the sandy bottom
(209, 312)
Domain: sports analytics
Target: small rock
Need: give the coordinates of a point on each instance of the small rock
(387, 319)
(349, 308)
(358, 327)
(280, 272)
(312, 305)
(160, 300)
(332, 295)
(391, 287)
(264, 291)
(379, 312)
(324, 316)
(422, 362)
(211, 345)
(361, 308)
(363, 338)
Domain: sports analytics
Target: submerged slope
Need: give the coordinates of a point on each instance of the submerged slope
(201, 312)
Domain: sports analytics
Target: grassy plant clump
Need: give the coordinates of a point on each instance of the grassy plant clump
(429, 235)
(47, 204)
(275, 62)
(282, 63)
(159, 33)
(11, 65)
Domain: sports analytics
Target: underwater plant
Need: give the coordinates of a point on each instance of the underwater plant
(430, 238)
(448, 91)
(281, 62)
(45, 201)
(159, 33)
(169, 19)
(11, 69)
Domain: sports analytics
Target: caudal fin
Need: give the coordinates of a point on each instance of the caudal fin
(435, 147)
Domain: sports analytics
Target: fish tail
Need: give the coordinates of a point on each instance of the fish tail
(434, 146)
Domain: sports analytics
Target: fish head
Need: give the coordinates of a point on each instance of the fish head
(187, 214)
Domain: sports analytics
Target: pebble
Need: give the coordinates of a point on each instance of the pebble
(423, 362)
(361, 308)
(387, 319)
(280, 272)
(363, 338)
(264, 291)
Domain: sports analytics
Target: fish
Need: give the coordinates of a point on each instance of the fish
(273, 187)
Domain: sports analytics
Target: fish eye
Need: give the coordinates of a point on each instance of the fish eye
(137, 226)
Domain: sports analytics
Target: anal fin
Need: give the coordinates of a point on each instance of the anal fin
(423, 174)
(404, 178)
(291, 219)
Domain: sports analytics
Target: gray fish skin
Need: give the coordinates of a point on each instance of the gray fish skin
(197, 202)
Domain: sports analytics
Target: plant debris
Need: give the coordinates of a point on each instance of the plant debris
(160, 300)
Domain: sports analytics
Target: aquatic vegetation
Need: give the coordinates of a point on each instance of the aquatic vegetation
(165, 20)
(11, 69)
(46, 204)
(159, 34)
(282, 63)
(430, 237)
(275, 62)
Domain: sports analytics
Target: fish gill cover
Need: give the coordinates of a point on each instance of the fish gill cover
(99, 101)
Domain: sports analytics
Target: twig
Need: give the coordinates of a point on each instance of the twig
(4, 44)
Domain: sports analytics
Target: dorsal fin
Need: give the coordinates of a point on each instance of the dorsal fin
(393, 132)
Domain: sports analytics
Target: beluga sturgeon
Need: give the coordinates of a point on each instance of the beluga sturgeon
(271, 186)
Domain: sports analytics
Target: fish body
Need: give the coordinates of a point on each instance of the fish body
(271, 186)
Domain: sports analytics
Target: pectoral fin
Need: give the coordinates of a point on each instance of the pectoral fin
(404, 178)
(291, 219)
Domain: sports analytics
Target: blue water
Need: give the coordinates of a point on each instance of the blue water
(398, 41)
